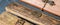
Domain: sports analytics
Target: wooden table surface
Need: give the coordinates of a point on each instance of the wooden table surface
(55, 9)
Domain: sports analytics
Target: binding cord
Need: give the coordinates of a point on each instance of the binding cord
(44, 6)
(50, 2)
(45, 1)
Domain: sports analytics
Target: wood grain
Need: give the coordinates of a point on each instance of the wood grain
(51, 9)
(7, 19)
(26, 14)
(36, 3)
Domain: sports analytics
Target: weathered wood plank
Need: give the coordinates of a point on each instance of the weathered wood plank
(8, 19)
(52, 6)
(30, 15)
(55, 9)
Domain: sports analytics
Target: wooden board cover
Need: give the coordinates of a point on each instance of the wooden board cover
(25, 13)
(37, 3)
(8, 19)
(51, 9)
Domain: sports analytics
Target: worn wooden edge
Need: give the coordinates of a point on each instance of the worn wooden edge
(40, 23)
(51, 13)
(6, 14)
(8, 10)
(31, 4)
(45, 11)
